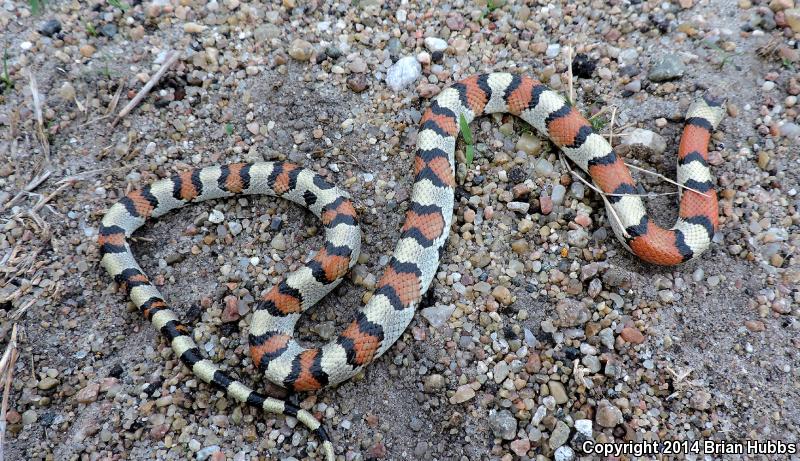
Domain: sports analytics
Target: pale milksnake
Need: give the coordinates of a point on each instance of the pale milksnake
(411, 269)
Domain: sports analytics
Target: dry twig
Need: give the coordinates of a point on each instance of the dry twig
(570, 77)
(172, 57)
(658, 175)
(7, 372)
(37, 109)
(33, 184)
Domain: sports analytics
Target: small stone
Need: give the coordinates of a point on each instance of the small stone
(87, 50)
(404, 72)
(546, 204)
(503, 295)
(700, 400)
(47, 383)
(67, 92)
(216, 216)
(438, 315)
(632, 335)
(564, 453)
(543, 167)
(584, 427)
(519, 207)
(668, 67)
(463, 393)
(503, 424)
(792, 18)
(29, 417)
(686, 4)
(301, 50)
(666, 296)
(204, 453)
(559, 435)
(608, 415)
(790, 130)
(558, 194)
(763, 160)
(529, 143)
(521, 446)
(88, 394)
(357, 65)
(231, 311)
(780, 5)
(500, 371)
(278, 242)
(628, 56)
(647, 138)
(433, 383)
(428, 90)
(357, 82)
(108, 30)
(558, 392)
(193, 28)
(50, 27)
(553, 50)
(455, 22)
(754, 325)
(434, 44)
(377, 451)
(253, 127)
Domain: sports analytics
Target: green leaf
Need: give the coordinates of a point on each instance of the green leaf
(4, 77)
(229, 129)
(467, 134)
(117, 3)
(36, 6)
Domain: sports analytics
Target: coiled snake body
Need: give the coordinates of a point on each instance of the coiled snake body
(413, 265)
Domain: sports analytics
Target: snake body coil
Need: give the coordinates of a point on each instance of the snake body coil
(414, 262)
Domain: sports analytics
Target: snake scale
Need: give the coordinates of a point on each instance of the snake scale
(412, 267)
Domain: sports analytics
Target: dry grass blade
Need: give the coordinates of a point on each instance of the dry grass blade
(658, 175)
(37, 109)
(570, 77)
(7, 373)
(115, 100)
(602, 194)
(58, 190)
(33, 184)
(172, 57)
(17, 314)
(611, 125)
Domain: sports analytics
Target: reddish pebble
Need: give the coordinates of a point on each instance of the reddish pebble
(488, 212)
(546, 204)
(521, 190)
(88, 394)
(231, 312)
(371, 420)
(521, 446)
(12, 417)
(583, 220)
(218, 456)
(632, 335)
(377, 451)
(158, 432)
(107, 383)
(428, 90)
(755, 325)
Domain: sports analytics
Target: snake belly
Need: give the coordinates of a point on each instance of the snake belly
(412, 266)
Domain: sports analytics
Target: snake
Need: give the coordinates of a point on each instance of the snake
(411, 268)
